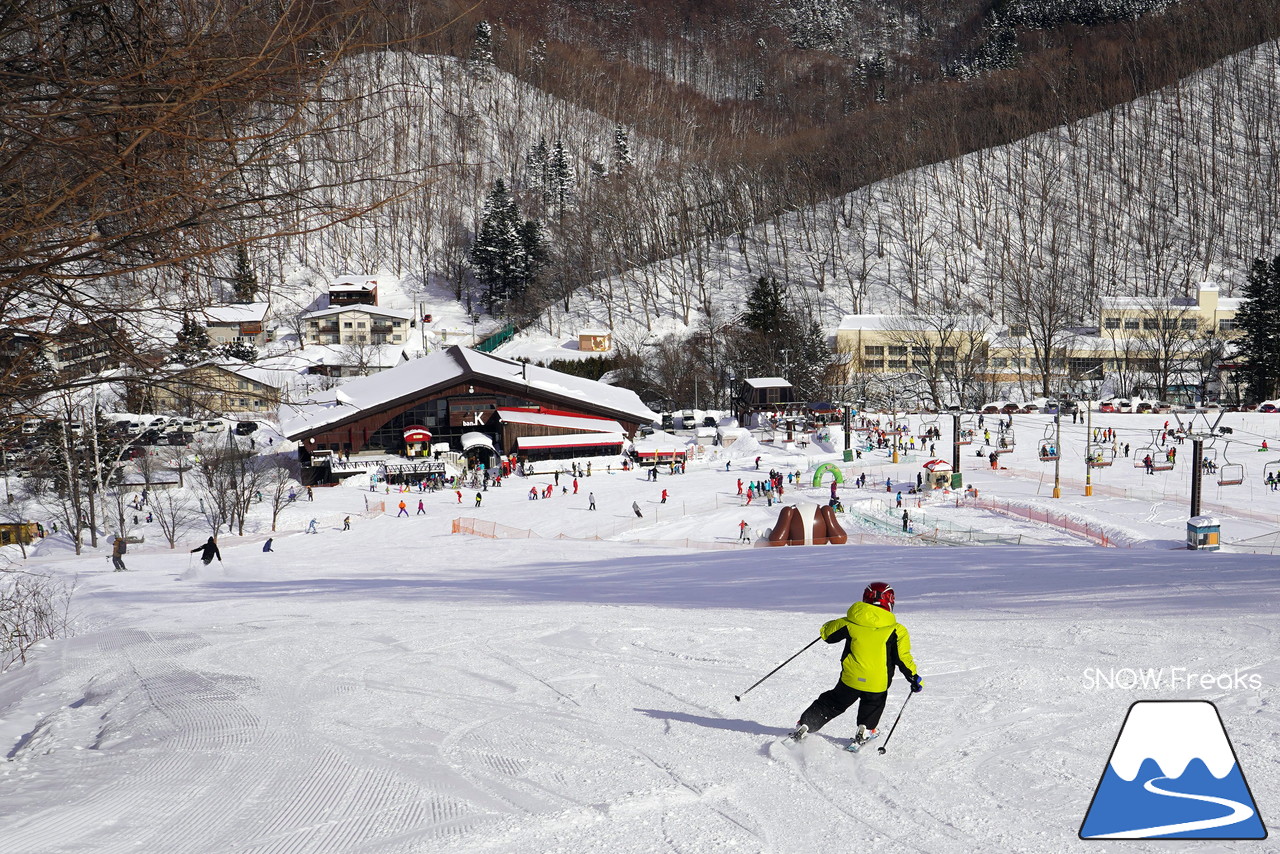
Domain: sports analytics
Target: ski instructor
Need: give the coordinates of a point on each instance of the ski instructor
(874, 643)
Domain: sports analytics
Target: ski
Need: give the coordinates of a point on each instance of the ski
(855, 745)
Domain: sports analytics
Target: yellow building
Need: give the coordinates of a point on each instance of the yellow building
(216, 389)
(1207, 312)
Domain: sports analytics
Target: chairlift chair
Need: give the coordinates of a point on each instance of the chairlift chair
(968, 426)
(1229, 473)
(1101, 457)
(1272, 469)
(1049, 450)
(1004, 442)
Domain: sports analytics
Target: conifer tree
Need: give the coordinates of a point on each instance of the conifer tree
(508, 253)
(193, 345)
(766, 307)
(481, 59)
(244, 282)
(621, 148)
(1258, 321)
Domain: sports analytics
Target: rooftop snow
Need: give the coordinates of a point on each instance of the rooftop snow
(238, 313)
(561, 421)
(442, 367)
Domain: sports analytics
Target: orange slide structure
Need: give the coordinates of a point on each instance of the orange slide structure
(807, 524)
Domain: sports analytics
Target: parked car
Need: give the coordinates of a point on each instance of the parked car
(992, 408)
(244, 428)
(214, 426)
(1010, 408)
(1030, 408)
(1268, 406)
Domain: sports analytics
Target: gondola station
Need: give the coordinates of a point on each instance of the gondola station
(457, 408)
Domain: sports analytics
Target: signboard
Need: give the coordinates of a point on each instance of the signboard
(416, 434)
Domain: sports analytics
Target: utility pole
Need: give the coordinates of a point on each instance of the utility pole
(957, 480)
(848, 429)
(1057, 463)
(1088, 437)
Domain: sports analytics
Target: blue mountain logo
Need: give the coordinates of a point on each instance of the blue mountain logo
(1173, 774)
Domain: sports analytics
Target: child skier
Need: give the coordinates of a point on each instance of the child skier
(874, 643)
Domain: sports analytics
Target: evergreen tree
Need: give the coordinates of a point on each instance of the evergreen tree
(241, 351)
(508, 253)
(537, 165)
(621, 148)
(481, 59)
(767, 308)
(1258, 321)
(561, 178)
(244, 282)
(193, 345)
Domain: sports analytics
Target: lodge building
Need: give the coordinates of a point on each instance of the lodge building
(462, 401)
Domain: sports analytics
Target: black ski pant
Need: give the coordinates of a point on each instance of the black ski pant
(836, 701)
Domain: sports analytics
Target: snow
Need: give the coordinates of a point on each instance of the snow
(570, 686)
(1172, 734)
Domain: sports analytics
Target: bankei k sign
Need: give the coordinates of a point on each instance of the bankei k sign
(1173, 774)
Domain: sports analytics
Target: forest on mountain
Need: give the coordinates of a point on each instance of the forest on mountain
(152, 148)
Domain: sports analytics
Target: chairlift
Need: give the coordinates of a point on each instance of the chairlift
(968, 427)
(1049, 451)
(1004, 442)
(1100, 457)
(1229, 473)
(1271, 470)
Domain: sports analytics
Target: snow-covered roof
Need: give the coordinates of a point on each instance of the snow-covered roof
(594, 331)
(767, 382)
(397, 313)
(353, 282)
(570, 440)
(660, 442)
(446, 367)
(256, 373)
(247, 312)
(879, 322)
(373, 355)
(560, 420)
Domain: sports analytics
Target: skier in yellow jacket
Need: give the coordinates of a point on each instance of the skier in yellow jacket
(874, 644)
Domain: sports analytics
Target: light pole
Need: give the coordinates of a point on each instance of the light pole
(475, 318)
(1057, 463)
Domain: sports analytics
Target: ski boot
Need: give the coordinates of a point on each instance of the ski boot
(797, 735)
(863, 736)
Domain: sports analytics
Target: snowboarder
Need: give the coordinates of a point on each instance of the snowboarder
(346, 523)
(266, 547)
(636, 508)
(874, 643)
(118, 549)
(664, 497)
(404, 511)
(591, 501)
(208, 552)
(311, 528)
(757, 464)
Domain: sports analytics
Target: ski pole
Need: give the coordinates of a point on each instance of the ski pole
(885, 746)
(738, 697)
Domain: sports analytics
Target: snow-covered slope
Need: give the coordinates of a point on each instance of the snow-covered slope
(397, 688)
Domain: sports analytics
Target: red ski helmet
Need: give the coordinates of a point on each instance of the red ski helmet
(879, 593)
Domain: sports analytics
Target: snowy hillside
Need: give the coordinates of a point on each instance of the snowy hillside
(439, 132)
(1147, 199)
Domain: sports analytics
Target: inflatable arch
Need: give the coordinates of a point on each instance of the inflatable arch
(827, 467)
(807, 525)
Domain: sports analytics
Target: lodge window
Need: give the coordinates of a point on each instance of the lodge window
(1111, 323)
(873, 351)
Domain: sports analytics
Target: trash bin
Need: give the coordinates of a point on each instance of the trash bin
(1204, 533)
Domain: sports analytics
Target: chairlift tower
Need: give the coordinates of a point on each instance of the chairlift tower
(1197, 453)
